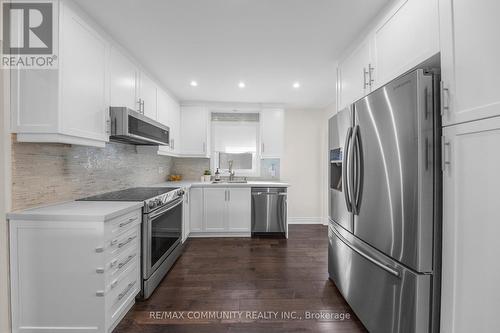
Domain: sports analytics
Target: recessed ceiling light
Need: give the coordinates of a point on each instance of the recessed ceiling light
(193, 84)
(241, 84)
(296, 85)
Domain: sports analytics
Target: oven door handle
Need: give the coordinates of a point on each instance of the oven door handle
(155, 214)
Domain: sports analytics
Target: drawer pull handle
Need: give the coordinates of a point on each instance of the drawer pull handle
(114, 284)
(126, 261)
(99, 270)
(121, 225)
(113, 263)
(113, 242)
(127, 241)
(99, 293)
(125, 292)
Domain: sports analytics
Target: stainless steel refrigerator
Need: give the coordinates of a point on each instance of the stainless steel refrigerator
(384, 205)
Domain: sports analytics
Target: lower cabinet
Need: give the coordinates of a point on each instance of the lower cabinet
(220, 211)
(78, 276)
(471, 192)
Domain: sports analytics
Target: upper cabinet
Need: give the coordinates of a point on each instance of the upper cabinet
(195, 131)
(354, 75)
(408, 36)
(169, 114)
(124, 79)
(405, 37)
(54, 106)
(272, 126)
(148, 96)
(469, 60)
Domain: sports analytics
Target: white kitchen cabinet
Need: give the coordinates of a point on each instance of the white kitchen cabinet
(469, 60)
(407, 37)
(74, 273)
(272, 125)
(470, 288)
(196, 210)
(195, 131)
(215, 209)
(124, 77)
(148, 96)
(53, 106)
(354, 74)
(169, 115)
(239, 210)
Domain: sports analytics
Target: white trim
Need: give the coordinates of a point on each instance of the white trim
(5, 196)
(306, 220)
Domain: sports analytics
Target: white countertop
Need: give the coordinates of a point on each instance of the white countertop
(194, 183)
(94, 211)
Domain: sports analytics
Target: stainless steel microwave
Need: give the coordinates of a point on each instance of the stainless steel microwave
(129, 126)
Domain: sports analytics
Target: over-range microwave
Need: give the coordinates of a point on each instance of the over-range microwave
(129, 126)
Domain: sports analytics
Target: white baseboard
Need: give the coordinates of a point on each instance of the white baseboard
(306, 220)
(219, 234)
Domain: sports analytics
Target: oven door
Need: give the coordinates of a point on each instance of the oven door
(162, 232)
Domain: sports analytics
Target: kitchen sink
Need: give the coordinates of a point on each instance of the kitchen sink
(235, 181)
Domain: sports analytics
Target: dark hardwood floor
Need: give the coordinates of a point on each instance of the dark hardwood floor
(242, 275)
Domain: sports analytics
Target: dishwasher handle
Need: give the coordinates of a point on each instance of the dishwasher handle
(269, 193)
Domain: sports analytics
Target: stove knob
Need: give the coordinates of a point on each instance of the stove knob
(181, 193)
(158, 202)
(151, 204)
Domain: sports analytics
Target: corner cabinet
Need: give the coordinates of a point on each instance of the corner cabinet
(54, 106)
(272, 133)
(195, 129)
(220, 211)
(470, 50)
(471, 188)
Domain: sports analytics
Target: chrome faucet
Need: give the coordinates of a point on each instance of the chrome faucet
(231, 171)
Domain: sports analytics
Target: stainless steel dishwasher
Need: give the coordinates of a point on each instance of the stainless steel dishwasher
(269, 211)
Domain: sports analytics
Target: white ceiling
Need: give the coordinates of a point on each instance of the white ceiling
(268, 44)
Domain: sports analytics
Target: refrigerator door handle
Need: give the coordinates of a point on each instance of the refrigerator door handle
(352, 166)
(345, 170)
(359, 170)
(374, 261)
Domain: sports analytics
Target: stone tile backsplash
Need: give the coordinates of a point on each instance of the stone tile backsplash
(50, 173)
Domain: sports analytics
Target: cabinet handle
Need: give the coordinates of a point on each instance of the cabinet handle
(140, 106)
(143, 107)
(108, 126)
(445, 98)
(121, 225)
(204, 147)
(113, 284)
(126, 261)
(365, 81)
(370, 77)
(228, 195)
(127, 241)
(263, 147)
(125, 292)
(446, 157)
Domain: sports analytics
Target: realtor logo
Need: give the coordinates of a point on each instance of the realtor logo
(29, 34)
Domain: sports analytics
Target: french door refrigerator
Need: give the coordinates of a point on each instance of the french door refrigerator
(385, 218)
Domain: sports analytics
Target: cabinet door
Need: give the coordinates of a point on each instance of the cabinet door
(175, 128)
(196, 210)
(471, 227)
(353, 77)
(123, 81)
(239, 209)
(164, 113)
(194, 131)
(84, 84)
(469, 59)
(149, 96)
(409, 36)
(272, 132)
(215, 202)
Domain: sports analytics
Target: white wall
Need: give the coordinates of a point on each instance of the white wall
(301, 164)
(5, 187)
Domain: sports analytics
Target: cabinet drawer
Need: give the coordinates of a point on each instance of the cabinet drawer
(125, 290)
(122, 224)
(121, 243)
(122, 262)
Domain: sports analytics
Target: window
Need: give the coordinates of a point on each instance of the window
(235, 138)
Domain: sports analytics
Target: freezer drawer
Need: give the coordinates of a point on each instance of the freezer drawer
(387, 297)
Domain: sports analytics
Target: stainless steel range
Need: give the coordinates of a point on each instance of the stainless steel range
(161, 229)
